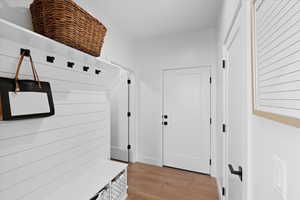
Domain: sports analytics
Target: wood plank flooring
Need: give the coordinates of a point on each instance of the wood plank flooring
(155, 183)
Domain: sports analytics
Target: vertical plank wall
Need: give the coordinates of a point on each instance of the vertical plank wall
(41, 152)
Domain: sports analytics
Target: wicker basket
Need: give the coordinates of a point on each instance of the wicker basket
(66, 22)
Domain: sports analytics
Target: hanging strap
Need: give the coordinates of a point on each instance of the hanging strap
(35, 74)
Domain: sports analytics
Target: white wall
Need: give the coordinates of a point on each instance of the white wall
(270, 138)
(154, 55)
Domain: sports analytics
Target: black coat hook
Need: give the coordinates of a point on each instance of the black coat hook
(86, 68)
(97, 71)
(70, 64)
(26, 51)
(50, 59)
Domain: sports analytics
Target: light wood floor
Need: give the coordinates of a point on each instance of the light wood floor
(155, 183)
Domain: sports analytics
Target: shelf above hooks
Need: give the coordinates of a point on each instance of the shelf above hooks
(45, 50)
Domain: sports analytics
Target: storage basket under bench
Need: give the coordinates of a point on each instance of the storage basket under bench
(115, 190)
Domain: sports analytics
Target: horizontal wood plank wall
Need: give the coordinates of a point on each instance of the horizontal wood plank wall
(36, 155)
(276, 51)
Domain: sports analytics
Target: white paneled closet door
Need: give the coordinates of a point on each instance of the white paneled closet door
(119, 118)
(186, 119)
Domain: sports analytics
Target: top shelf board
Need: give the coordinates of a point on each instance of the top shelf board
(24, 36)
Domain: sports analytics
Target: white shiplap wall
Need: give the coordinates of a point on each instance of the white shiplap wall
(277, 57)
(37, 153)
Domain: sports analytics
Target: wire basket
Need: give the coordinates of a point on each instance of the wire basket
(119, 187)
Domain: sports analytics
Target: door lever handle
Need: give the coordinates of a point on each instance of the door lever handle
(236, 172)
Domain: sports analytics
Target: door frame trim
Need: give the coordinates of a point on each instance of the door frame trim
(231, 35)
(163, 108)
(233, 21)
(132, 121)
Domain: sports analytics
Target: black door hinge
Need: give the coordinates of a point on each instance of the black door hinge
(223, 191)
(224, 128)
(129, 147)
(128, 114)
(224, 64)
(128, 81)
(210, 162)
(210, 80)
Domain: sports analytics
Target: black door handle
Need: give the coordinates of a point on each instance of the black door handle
(165, 123)
(238, 173)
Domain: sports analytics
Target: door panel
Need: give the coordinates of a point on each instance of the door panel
(187, 106)
(236, 110)
(119, 119)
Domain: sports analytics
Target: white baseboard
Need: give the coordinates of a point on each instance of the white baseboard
(118, 153)
(149, 160)
(121, 154)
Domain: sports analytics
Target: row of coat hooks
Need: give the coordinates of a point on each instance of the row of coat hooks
(51, 59)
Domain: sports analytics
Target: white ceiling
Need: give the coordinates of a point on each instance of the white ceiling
(149, 18)
(140, 18)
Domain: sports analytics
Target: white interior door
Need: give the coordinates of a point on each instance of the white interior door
(186, 113)
(236, 111)
(119, 120)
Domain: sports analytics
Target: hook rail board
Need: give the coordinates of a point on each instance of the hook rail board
(276, 64)
(57, 58)
(54, 158)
